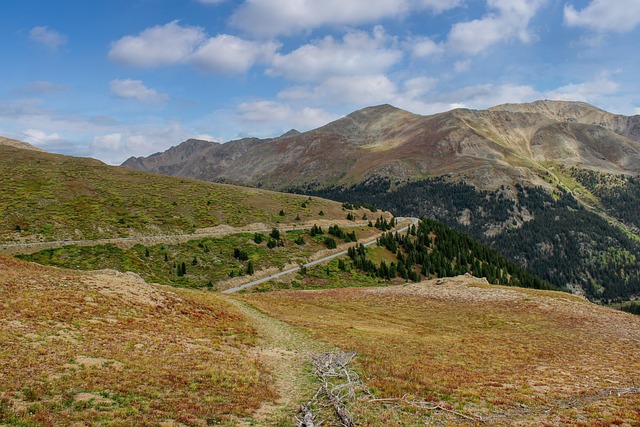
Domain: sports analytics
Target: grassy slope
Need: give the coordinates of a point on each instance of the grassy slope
(109, 349)
(53, 197)
(508, 355)
(208, 261)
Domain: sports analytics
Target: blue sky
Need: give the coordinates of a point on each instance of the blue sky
(115, 78)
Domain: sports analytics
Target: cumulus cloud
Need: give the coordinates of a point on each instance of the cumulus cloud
(462, 66)
(353, 92)
(206, 137)
(107, 142)
(160, 45)
(38, 136)
(508, 20)
(52, 39)
(489, 95)
(423, 47)
(281, 115)
(419, 86)
(175, 44)
(357, 53)
(229, 54)
(605, 15)
(274, 17)
(135, 89)
(589, 91)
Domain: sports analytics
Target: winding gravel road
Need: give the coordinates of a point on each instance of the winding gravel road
(31, 247)
(25, 248)
(414, 221)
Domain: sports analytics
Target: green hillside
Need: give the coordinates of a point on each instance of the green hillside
(47, 197)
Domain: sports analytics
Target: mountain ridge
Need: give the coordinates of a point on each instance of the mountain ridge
(489, 148)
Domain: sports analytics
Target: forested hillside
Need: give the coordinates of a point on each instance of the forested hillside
(433, 249)
(551, 235)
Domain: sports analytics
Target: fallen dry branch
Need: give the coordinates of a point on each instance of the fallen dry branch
(340, 385)
(308, 418)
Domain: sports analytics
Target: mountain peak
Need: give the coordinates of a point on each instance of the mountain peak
(292, 132)
(555, 109)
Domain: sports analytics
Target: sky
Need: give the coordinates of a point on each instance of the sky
(111, 79)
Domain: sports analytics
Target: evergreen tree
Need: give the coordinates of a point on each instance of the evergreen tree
(330, 242)
(275, 234)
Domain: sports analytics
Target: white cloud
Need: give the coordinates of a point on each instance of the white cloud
(52, 39)
(38, 136)
(589, 91)
(605, 15)
(352, 92)
(488, 95)
(280, 115)
(274, 17)
(359, 90)
(109, 142)
(229, 54)
(508, 20)
(462, 66)
(424, 47)
(206, 137)
(357, 53)
(135, 89)
(160, 45)
(419, 86)
(175, 44)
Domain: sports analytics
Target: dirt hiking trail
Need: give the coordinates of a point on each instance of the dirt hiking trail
(286, 350)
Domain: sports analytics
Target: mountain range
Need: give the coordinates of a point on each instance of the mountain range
(505, 144)
(553, 185)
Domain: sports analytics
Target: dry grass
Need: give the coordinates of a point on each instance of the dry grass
(108, 349)
(508, 356)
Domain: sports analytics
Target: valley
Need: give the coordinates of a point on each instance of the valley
(135, 298)
(551, 185)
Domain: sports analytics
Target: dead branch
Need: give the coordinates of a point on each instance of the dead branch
(346, 417)
(308, 419)
(339, 385)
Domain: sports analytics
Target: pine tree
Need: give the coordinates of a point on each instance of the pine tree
(275, 233)
(250, 268)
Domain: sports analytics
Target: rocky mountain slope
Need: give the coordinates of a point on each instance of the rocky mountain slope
(552, 185)
(500, 146)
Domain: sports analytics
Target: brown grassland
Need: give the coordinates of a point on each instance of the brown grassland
(106, 348)
(494, 355)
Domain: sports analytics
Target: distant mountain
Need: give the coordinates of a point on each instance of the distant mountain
(552, 185)
(18, 144)
(503, 145)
